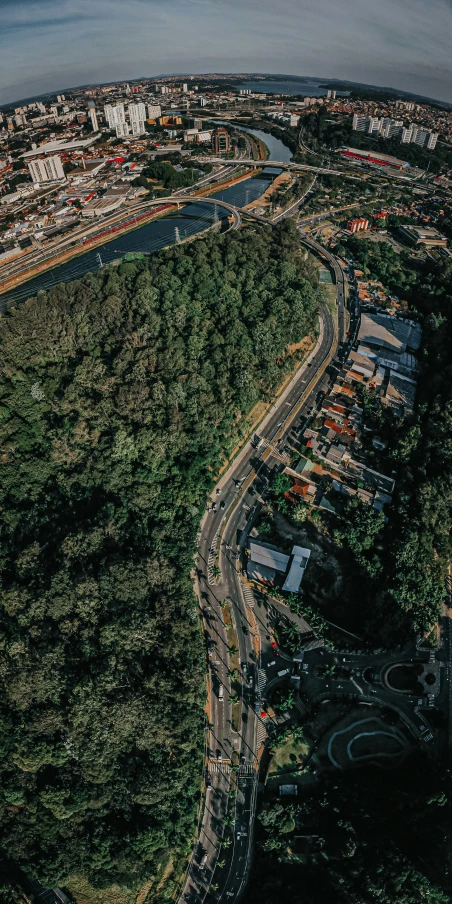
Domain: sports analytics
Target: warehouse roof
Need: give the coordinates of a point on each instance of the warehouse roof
(268, 556)
(385, 331)
(55, 147)
(297, 569)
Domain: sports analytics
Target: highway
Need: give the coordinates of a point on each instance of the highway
(26, 267)
(315, 169)
(222, 539)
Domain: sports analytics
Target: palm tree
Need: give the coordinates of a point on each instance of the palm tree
(221, 863)
(216, 572)
(233, 649)
(234, 698)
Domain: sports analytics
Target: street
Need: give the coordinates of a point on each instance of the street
(224, 743)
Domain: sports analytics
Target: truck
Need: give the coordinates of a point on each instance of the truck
(283, 672)
(221, 693)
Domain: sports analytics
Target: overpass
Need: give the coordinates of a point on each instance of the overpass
(284, 164)
(279, 164)
(195, 199)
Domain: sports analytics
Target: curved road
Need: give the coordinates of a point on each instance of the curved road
(236, 492)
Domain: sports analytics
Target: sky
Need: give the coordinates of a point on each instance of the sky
(49, 45)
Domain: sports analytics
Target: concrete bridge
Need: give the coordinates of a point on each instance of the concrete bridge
(194, 199)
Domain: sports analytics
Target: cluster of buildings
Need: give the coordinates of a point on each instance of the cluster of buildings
(336, 461)
(95, 184)
(358, 224)
(269, 565)
(385, 127)
(287, 119)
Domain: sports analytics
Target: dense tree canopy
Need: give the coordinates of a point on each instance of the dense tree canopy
(373, 836)
(118, 395)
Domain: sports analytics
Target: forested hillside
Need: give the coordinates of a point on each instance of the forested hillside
(118, 395)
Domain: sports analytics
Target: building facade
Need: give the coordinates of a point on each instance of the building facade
(220, 141)
(47, 169)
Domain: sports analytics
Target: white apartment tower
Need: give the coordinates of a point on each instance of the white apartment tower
(49, 169)
(154, 111)
(137, 116)
(114, 115)
(93, 117)
(360, 122)
(122, 130)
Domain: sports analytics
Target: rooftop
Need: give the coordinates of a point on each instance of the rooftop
(386, 331)
(55, 147)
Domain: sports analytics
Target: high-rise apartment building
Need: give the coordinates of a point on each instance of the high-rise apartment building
(47, 169)
(114, 115)
(374, 125)
(154, 111)
(392, 128)
(122, 130)
(423, 137)
(137, 116)
(220, 141)
(360, 122)
(93, 117)
(185, 87)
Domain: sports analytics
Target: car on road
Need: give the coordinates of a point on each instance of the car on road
(245, 629)
(283, 672)
(269, 664)
(218, 491)
(219, 756)
(214, 506)
(242, 759)
(222, 504)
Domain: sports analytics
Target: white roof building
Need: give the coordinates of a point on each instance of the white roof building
(265, 561)
(297, 569)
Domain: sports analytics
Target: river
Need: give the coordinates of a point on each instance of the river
(194, 219)
(277, 149)
(305, 89)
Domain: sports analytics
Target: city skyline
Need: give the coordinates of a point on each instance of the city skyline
(44, 48)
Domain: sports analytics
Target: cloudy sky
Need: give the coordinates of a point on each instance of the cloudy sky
(49, 45)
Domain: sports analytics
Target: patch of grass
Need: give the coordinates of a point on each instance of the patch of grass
(286, 755)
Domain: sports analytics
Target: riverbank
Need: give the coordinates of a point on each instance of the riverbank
(79, 250)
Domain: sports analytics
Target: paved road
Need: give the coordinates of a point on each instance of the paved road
(237, 492)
